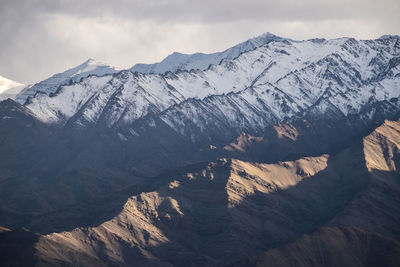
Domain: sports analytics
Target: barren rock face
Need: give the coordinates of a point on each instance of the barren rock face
(381, 148)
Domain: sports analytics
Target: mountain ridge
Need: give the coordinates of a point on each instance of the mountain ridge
(200, 61)
(177, 87)
(51, 84)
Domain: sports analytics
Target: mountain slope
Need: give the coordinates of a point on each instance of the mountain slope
(35, 181)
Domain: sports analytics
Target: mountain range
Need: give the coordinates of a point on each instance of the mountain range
(274, 152)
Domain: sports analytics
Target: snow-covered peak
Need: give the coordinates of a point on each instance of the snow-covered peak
(92, 64)
(9, 88)
(6, 84)
(258, 41)
(200, 61)
(50, 85)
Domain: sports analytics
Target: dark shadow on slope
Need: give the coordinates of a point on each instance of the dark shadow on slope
(377, 208)
(291, 140)
(17, 248)
(295, 138)
(95, 212)
(329, 247)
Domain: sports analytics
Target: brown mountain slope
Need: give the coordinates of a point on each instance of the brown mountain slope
(381, 147)
(213, 214)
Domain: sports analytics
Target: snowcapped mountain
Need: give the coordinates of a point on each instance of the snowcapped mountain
(171, 63)
(199, 61)
(279, 80)
(9, 88)
(50, 85)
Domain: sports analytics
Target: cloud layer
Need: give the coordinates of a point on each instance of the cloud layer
(42, 37)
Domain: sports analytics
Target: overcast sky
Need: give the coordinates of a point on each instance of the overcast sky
(43, 37)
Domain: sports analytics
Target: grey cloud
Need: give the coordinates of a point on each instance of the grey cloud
(208, 11)
(41, 37)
